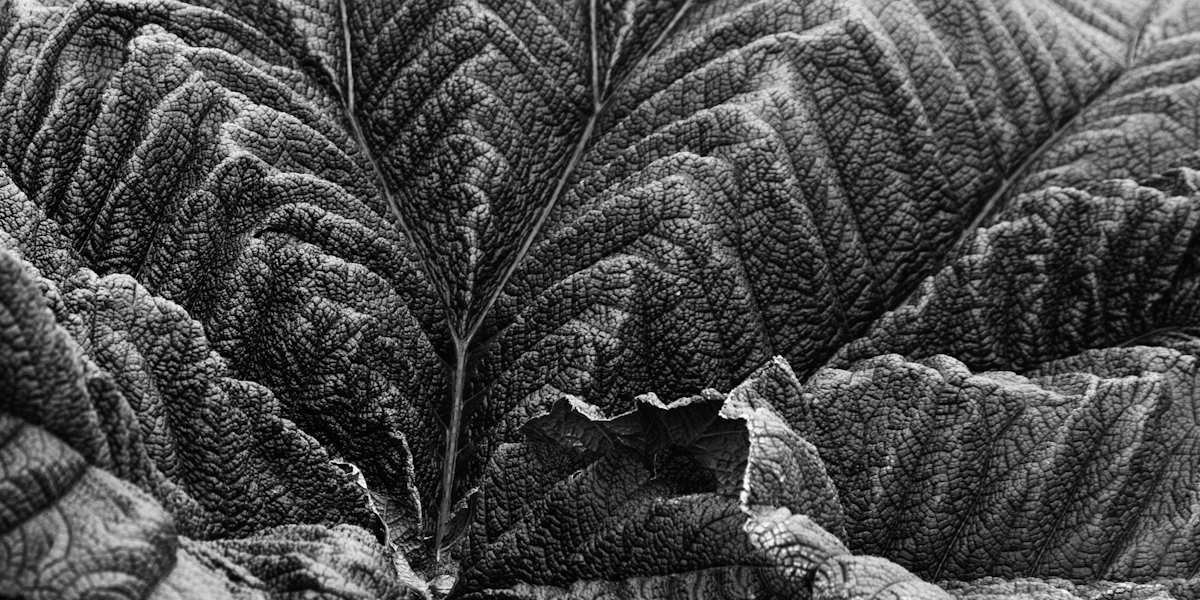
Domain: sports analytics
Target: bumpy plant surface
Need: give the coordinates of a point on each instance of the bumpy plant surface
(600, 298)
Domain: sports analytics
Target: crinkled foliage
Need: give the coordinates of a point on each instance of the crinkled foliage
(599, 298)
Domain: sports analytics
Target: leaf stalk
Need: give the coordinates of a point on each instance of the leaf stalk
(452, 434)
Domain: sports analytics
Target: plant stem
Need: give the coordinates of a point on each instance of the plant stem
(451, 456)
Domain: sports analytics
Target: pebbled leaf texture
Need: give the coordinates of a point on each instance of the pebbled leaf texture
(635, 298)
(692, 499)
(1011, 476)
(98, 450)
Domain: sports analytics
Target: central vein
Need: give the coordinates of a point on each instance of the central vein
(601, 101)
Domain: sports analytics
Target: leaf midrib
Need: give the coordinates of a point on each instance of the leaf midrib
(462, 340)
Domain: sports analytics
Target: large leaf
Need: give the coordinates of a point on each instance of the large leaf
(101, 379)
(692, 499)
(128, 380)
(1064, 271)
(75, 531)
(420, 224)
(1086, 470)
(235, 224)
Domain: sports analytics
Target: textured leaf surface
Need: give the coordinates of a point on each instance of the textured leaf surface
(990, 588)
(1145, 123)
(114, 413)
(127, 379)
(1066, 270)
(261, 256)
(1084, 470)
(198, 157)
(692, 499)
(72, 530)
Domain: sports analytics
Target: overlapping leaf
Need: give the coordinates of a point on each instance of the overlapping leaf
(692, 499)
(732, 207)
(390, 213)
(129, 380)
(1105, 438)
(1100, 263)
(992, 588)
(190, 150)
(1066, 270)
(1083, 471)
(1145, 123)
(99, 379)
(72, 530)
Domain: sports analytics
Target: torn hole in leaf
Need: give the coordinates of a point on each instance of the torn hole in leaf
(687, 443)
(714, 494)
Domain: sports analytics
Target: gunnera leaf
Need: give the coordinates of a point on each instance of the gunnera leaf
(594, 198)
(121, 433)
(697, 498)
(128, 379)
(196, 155)
(1064, 271)
(1083, 470)
(71, 530)
(399, 230)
